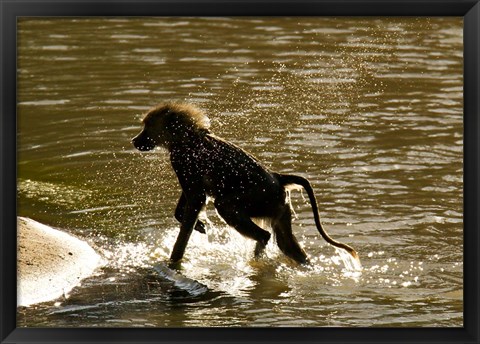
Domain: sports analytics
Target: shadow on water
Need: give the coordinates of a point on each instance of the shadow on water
(105, 301)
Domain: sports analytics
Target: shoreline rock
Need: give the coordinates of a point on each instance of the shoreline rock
(50, 263)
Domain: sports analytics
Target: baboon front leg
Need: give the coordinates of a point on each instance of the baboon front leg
(286, 241)
(180, 210)
(240, 220)
(189, 219)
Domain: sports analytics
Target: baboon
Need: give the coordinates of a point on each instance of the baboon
(242, 188)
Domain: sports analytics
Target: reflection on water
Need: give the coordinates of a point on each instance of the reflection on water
(369, 109)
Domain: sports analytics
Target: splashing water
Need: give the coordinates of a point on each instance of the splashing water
(353, 267)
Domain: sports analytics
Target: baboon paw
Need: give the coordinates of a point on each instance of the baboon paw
(259, 249)
(174, 265)
(302, 259)
(306, 262)
(258, 253)
(200, 227)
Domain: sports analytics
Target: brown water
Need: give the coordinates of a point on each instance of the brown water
(369, 109)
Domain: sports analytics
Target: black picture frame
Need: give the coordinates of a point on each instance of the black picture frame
(10, 10)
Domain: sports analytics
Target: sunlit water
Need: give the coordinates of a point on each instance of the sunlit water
(369, 110)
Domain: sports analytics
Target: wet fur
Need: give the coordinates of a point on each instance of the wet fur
(241, 186)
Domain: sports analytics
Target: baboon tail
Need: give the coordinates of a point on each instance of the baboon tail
(286, 179)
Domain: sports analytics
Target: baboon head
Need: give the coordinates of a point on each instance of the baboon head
(170, 123)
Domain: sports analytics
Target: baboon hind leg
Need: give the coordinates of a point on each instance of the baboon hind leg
(286, 241)
(239, 219)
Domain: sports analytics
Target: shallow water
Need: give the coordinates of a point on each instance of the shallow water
(368, 109)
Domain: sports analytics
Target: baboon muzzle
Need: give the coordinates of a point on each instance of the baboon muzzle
(143, 143)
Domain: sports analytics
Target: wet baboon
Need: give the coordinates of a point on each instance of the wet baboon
(241, 186)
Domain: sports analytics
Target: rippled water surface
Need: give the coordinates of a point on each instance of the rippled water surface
(368, 109)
